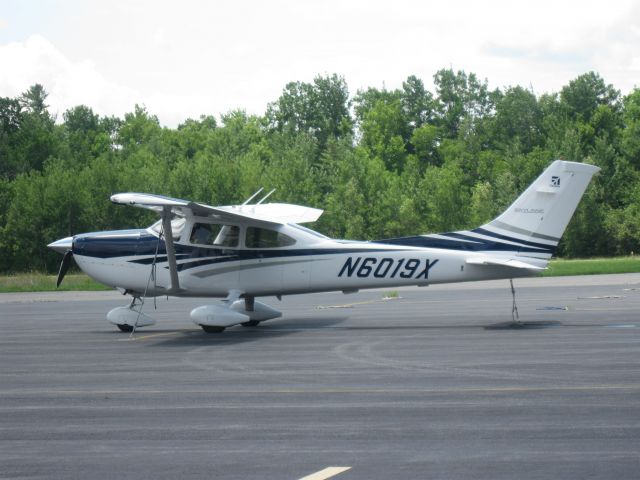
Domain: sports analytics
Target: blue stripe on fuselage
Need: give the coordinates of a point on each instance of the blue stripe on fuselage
(542, 246)
(461, 242)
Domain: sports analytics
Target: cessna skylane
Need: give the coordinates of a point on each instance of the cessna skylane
(242, 252)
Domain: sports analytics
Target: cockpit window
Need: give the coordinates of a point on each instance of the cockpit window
(266, 238)
(177, 225)
(215, 234)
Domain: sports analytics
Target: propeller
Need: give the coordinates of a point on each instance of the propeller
(64, 266)
(64, 245)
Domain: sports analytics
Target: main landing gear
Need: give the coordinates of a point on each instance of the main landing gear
(129, 318)
(212, 329)
(245, 311)
(251, 323)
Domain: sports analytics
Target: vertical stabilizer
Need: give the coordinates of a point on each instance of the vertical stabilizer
(541, 214)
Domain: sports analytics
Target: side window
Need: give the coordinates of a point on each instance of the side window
(266, 238)
(214, 234)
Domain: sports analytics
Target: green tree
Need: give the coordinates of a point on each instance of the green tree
(10, 121)
(33, 100)
(630, 133)
(417, 102)
(585, 94)
(461, 96)
(81, 128)
(139, 128)
(383, 130)
(416, 162)
(518, 119)
(320, 109)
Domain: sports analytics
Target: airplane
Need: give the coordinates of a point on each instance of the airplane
(241, 252)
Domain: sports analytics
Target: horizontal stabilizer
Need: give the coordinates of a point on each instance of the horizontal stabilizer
(504, 262)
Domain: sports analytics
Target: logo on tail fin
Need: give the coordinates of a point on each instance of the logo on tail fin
(555, 181)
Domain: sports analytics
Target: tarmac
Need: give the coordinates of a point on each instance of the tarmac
(431, 383)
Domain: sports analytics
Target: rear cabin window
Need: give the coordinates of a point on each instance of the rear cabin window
(215, 235)
(265, 238)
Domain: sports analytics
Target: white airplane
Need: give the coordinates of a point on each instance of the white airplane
(255, 250)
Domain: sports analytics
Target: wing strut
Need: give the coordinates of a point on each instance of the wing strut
(171, 251)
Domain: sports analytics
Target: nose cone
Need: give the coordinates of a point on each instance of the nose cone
(62, 245)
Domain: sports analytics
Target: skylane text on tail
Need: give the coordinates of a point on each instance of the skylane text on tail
(246, 251)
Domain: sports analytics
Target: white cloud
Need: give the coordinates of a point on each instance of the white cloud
(68, 83)
(192, 58)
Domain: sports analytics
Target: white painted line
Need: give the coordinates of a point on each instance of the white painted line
(326, 473)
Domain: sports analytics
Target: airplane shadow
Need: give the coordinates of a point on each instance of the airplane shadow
(194, 337)
(234, 335)
(529, 325)
(498, 326)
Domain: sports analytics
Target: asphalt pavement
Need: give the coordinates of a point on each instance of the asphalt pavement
(432, 383)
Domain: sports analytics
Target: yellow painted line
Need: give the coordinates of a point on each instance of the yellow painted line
(353, 304)
(326, 473)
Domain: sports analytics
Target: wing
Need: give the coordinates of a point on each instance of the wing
(276, 212)
(269, 213)
(504, 262)
(149, 201)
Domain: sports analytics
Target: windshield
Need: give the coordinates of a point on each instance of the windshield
(177, 225)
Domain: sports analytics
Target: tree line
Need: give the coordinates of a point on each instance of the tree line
(381, 163)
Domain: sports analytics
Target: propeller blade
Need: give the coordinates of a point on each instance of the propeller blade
(64, 266)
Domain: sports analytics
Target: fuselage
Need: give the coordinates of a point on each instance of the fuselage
(136, 261)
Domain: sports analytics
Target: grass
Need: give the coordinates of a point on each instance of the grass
(592, 266)
(39, 282)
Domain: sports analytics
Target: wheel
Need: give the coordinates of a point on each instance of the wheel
(251, 323)
(212, 329)
(125, 328)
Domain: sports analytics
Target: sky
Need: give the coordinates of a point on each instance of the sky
(190, 58)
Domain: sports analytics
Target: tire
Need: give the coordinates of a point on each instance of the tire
(212, 329)
(125, 328)
(251, 323)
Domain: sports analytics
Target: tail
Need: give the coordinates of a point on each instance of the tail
(531, 227)
(539, 217)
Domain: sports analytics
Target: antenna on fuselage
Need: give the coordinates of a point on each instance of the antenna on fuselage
(265, 197)
(253, 196)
